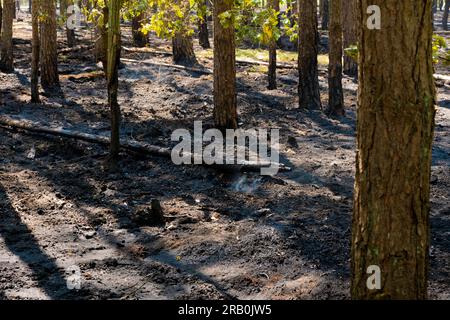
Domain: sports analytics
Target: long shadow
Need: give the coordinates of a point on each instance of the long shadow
(21, 242)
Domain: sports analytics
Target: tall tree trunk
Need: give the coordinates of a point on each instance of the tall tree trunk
(203, 34)
(49, 53)
(30, 6)
(139, 39)
(101, 43)
(112, 76)
(272, 70)
(325, 14)
(183, 49)
(35, 7)
(395, 133)
(1, 16)
(350, 29)
(70, 33)
(445, 16)
(308, 88)
(336, 96)
(225, 111)
(7, 60)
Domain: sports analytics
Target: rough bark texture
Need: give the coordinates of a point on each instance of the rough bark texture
(139, 39)
(308, 88)
(445, 15)
(35, 51)
(325, 14)
(225, 111)
(112, 76)
(336, 96)
(1, 16)
(183, 49)
(7, 62)
(49, 53)
(395, 133)
(203, 34)
(350, 30)
(272, 70)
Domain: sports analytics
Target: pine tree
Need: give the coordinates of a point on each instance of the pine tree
(308, 89)
(7, 60)
(112, 76)
(225, 112)
(35, 47)
(396, 109)
(336, 95)
(49, 49)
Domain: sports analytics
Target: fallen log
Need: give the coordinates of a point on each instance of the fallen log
(168, 65)
(238, 60)
(81, 77)
(80, 47)
(147, 50)
(264, 63)
(130, 145)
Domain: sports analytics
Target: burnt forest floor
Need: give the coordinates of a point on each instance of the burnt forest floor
(228, 235)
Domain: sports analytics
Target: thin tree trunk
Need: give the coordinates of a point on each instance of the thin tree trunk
(272, 70)
(183, 49)
(325, 14)
(203, 34)
(139, 39)
(395, 132)
(49, 49)
(35, 7)
(112, 76)
(445, 15)
(308, 88)
(336, 96)
(225, 111)
(1, 16)
(350, 30)
(101, 43)
(7, 60)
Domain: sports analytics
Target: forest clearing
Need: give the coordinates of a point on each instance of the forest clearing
(137, 226)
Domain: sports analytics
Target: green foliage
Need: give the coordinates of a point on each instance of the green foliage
(172, 17)
(352, 52)
(440, 51)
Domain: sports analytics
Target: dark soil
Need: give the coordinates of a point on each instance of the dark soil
(227, 235)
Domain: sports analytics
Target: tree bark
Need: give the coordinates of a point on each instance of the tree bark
(335, 93)
(350, 27)
(1, 16)
(7, 60)
(49, 53)
(203, 34)
(308, 88)
(325, 14)
(183, 49)
(395, 120)
(35, 47)
(112, 77)
(139, 39)
(445, 15)
(225, 109)
(272, 70)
